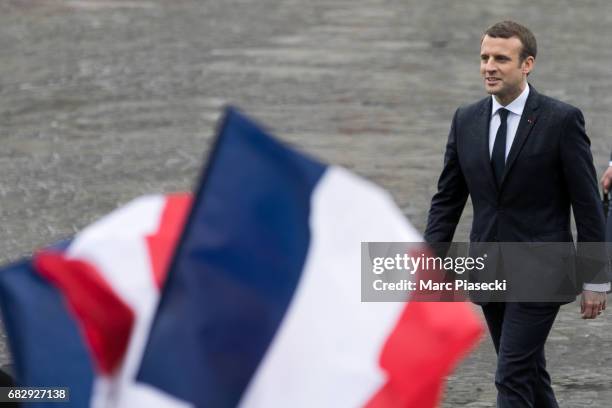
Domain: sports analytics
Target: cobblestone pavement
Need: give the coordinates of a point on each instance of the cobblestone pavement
(101, 101)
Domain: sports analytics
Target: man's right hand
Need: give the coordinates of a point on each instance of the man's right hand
(606, 180)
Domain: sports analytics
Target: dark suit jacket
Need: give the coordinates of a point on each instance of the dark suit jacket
(549, 171)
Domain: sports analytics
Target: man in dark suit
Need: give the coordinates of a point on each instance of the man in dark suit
(525, 160)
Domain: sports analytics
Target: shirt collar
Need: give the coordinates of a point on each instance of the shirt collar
(516, 106)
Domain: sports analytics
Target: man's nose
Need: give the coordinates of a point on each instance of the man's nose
(490, 65)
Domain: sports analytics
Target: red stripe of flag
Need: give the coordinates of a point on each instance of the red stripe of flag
(163, 242)
(105, 319)
(428, 341)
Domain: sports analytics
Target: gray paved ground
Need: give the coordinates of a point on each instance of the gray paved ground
(101, 101)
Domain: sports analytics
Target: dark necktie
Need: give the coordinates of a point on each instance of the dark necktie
(498, 158)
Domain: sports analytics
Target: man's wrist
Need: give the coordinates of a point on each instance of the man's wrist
(596, 287)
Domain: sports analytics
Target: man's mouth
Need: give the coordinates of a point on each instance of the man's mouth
(492, 80)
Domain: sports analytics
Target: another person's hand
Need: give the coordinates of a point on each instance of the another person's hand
(592, 303)
(606, 180)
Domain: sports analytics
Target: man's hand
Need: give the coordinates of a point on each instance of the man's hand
(592, 303)
(606, 180)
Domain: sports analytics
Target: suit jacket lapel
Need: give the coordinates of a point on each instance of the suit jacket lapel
(526, 123)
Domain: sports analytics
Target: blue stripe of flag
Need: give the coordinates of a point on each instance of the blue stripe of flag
(47, 348)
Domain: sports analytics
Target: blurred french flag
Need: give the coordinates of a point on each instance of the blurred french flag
(247, 294)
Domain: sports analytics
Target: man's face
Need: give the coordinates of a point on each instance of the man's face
(504, 76)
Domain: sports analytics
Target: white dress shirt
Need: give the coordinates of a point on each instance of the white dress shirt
(515, 109)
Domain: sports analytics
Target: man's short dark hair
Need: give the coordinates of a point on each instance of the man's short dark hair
(509, 29)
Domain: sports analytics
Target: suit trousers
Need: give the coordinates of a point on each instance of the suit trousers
(519, 331)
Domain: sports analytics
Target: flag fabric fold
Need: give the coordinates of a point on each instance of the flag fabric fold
(77, 314)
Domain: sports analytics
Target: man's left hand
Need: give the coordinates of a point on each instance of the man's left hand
(592, 303)
(606, 180)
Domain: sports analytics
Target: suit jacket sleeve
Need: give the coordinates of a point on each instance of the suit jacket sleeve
(581, 181)
(448, 203)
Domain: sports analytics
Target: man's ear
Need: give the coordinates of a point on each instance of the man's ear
(527, 65)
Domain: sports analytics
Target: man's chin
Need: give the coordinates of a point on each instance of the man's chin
(492, 90)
